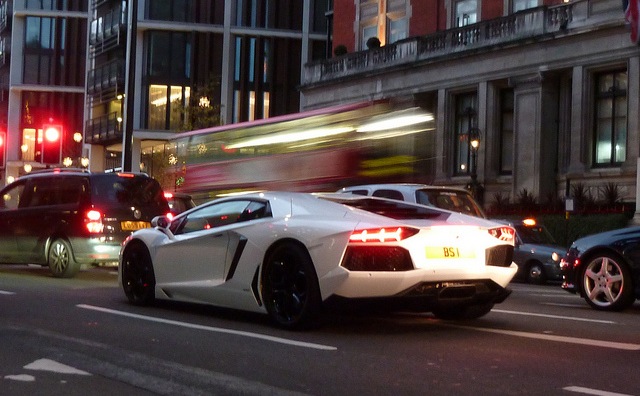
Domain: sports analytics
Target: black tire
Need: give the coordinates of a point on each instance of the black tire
(290, 287)
(606, 283)
(60, 259)
(535, 273)
(138, 277)
(465, 312)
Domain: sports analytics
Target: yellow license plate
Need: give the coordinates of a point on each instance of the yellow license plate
(134, 225)
(448, 252)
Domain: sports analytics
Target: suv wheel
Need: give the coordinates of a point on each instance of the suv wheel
(60, 259)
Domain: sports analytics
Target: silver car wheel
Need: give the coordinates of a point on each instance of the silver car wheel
(607, 284)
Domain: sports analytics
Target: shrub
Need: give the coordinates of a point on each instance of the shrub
(610, 194)
(373, 43)
(340, 49)
(582, 196)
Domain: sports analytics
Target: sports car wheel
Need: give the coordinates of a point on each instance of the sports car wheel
(138, 278)
(463, 312)
(60, 259)
(290, 287)
(606, 282)
(535, 273)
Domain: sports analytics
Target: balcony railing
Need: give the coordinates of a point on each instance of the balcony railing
(4, 15)
(105, 129)
(531, 24)
(5, 50)
(106, 81)
(107, 30)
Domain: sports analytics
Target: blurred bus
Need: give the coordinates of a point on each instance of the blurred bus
(317, 150)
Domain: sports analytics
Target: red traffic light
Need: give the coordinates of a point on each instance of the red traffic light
(51, 144)
(52, 133)
(3, 136)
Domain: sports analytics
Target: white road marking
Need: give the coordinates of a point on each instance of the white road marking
(589, 391)
(52, 365)
(554, 316)
(213, 329)
(567, 340)
(566, 305)
(21, 377)
(565, 295)
(6, 292)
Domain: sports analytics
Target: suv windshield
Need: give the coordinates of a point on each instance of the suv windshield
(137, 191)
(455, 201)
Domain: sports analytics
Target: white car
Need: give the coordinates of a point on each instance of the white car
(290, 255)
(443, 197)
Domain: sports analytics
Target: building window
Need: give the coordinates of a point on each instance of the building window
(519, 5)
(385, 19)
(166, 106)
(169, 55)
(465, 121)
(171, 10)
(466, 12)
(272, 14)
(39, 50)
(506, 131)
(397, 30)
(252, 75)
(53, 5)
(610, 135)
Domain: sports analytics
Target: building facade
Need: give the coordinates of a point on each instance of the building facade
(549, 89)
(127, 75)
(42, 74)
(240, 59)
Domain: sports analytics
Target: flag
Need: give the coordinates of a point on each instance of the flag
(632, 15)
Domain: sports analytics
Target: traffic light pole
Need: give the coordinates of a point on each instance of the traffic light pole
(127, 135)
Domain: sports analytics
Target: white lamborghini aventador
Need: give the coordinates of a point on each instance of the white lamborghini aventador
(290, 255)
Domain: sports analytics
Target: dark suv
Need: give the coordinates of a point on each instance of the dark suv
(69, 218)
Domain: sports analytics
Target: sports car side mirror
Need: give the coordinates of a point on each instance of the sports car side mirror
(160, 221)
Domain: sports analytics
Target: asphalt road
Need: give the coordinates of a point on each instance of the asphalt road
(80, 336)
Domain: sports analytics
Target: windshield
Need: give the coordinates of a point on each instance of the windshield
(394, 209)
(536, 235)
(127, 191)
(455, 201)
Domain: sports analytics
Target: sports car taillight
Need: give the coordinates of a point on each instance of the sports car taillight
(382, 234)
(503, 233)
(93, 222)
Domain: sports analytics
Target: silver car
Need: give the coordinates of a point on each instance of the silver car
(534, 252)
(444, 197)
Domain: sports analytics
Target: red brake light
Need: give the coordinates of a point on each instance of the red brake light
(168, 195)
(382, 234)
(94, 222)
(170, 216)
(126, 174)
(503, 233)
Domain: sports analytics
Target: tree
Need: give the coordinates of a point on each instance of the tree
(203, 108)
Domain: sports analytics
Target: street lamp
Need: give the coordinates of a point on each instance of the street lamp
(474, 137)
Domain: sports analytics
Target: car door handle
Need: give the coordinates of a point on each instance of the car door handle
(217, 235)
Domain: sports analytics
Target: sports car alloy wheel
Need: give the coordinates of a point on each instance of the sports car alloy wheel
(607, 283)
(60, 259)
(290, 287)
(138, 278)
